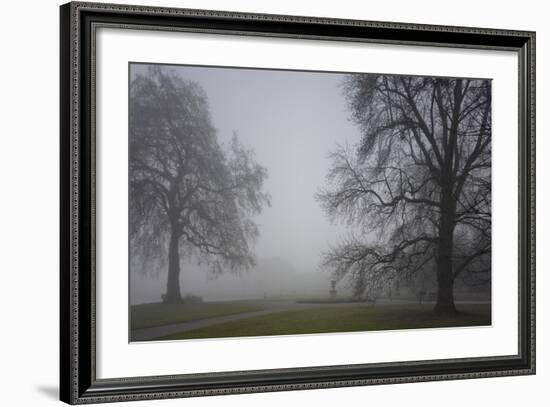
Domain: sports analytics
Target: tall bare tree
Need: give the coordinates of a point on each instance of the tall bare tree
(416, 188)
(187, 194)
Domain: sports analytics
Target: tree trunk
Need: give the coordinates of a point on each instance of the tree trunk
(445, 279)
(445, 290)
(173, 294)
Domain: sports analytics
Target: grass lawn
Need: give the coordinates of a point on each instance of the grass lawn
(338, 300)
(157, 314)
(343, 319)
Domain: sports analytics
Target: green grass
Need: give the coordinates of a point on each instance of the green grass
(343, 319)
(158, 314)
(337, 300)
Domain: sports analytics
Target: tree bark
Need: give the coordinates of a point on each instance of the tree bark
(173, 293)
(445, 303)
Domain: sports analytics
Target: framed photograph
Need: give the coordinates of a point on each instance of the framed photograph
(255, 203)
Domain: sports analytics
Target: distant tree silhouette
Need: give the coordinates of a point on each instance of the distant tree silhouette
(416, 189)
(187, 194)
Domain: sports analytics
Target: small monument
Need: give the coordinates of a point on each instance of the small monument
(333, 289)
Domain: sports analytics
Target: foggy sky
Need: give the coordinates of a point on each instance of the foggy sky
(292, 120)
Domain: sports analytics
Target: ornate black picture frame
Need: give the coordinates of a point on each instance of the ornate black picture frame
(78, 381)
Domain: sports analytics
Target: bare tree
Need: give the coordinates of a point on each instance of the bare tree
(416, 188)
(186, 193)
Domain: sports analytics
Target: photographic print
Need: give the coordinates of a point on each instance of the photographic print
(283, 202)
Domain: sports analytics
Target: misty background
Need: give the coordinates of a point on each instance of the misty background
(292, 120)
